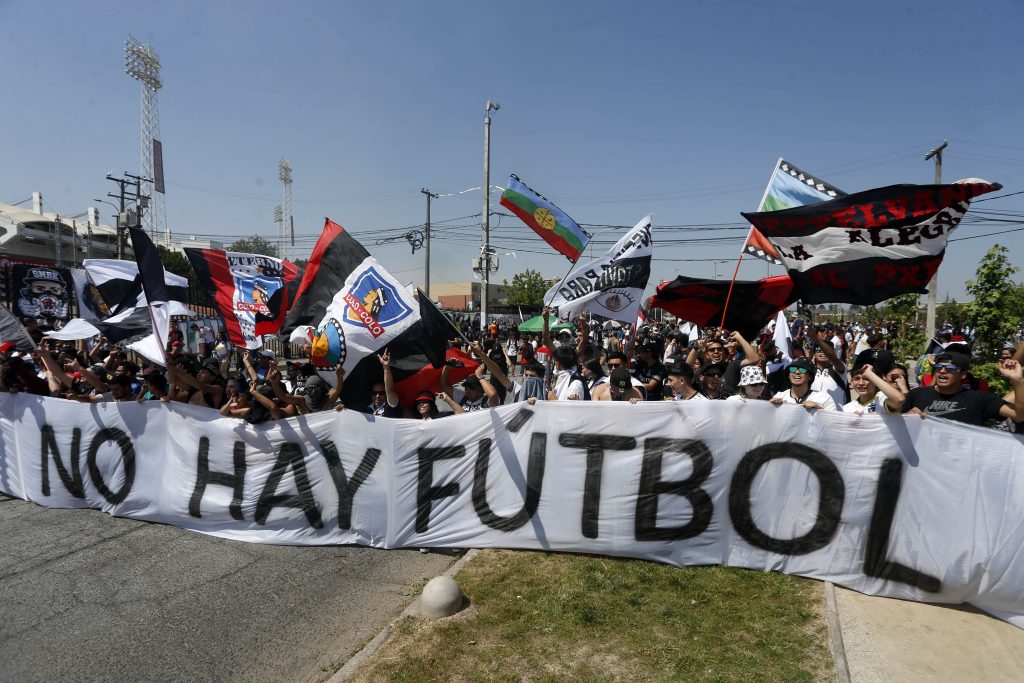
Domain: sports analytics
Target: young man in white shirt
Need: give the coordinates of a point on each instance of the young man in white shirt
(799, 391)
(680, 382)
(875, 394)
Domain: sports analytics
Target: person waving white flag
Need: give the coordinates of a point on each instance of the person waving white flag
(613, 285)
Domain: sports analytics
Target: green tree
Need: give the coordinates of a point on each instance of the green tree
(906, 339)
(992, 314)
(951, 312)
(175, 262)
(527, 288)
(254, 245)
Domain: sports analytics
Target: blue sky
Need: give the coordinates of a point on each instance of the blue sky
(612, 110)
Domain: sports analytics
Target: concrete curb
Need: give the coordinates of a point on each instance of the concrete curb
(835, 630)
(358, 659)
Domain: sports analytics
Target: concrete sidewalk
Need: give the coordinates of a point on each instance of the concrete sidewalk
(895, 640)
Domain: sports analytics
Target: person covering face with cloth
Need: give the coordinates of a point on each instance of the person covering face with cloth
(799, 391)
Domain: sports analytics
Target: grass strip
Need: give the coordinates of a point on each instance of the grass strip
(537, 616)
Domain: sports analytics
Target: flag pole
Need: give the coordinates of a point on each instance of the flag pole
(760, 207)
(725, 309)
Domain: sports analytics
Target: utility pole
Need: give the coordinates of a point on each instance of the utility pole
(485, 252)
(122, 182)
(426, 243)
(933, 286)
(124, 218)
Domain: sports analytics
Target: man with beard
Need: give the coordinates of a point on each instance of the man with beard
(44, 295)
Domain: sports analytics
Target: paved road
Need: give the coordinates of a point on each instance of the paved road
(897, 640)
(88, 597)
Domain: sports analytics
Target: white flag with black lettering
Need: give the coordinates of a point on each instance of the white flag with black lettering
(613, 285)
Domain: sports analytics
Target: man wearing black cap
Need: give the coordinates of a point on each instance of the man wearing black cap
(947, 397)
(710, 376)
(799, 391)
(619, 387)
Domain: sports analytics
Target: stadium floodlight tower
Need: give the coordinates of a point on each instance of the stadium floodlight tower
(142, 64)
(285, 229)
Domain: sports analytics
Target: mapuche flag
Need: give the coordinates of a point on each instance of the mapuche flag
(751, 306)
(788, 187)
(545, 219)
(348, 307)
(869, 246)
(611, 286)
(252, 292)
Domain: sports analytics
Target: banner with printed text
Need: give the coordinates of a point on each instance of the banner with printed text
(918, 509)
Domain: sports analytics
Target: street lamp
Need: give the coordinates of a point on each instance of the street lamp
(485, 252)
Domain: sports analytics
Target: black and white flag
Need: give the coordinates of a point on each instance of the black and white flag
(613, 285)
(120, 286)
(870, 246)
(154, 284)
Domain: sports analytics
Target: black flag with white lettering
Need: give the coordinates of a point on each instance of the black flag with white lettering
(870, 246)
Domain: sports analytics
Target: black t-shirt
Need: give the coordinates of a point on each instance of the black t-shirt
(731, 377)
(646, 373)
(968, 406)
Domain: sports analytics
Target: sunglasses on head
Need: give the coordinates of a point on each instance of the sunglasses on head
(948, 367)
(800, 371)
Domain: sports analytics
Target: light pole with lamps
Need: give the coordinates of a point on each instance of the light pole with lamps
(485, 252)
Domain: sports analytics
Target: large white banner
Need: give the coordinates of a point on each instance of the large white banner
(887, 505)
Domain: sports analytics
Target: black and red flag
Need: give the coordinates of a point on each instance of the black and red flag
(752, 305)
(252, 292)
(870, 246)
(417, 356)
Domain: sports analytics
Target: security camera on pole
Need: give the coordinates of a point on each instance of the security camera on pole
(486, 252)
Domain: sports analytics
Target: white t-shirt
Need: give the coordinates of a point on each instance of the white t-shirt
(819, 397)
(697, 396)
(565, 386)
(825, 383)
(875, 405)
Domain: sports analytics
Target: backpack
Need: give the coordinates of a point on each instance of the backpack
(586, 391)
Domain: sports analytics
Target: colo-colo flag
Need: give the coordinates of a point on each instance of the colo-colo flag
(613, 285)
(869, 246)
(545, 219)
(363, 306)
(252, 292)
(788, 187)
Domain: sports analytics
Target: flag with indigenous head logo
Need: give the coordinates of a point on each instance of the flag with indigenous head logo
(611, 286)
(348, 306)
(869, 246)
(252, 292)
(788, 187)
(545, 219)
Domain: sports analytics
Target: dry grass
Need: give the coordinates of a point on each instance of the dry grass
(550, 617)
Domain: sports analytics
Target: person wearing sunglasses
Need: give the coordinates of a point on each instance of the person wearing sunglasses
(800, 373)
(948, 398)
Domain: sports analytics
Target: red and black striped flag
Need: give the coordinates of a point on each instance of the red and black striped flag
(870, 246)
(701, 302)
(252, 292)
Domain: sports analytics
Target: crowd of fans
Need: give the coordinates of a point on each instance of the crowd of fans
(844, 367)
